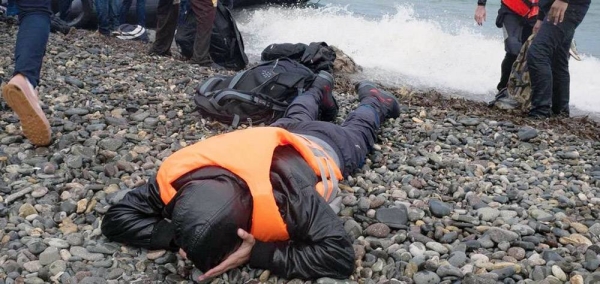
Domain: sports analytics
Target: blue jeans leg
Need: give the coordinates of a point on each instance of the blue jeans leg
(12, 9)
(102, 11)
(140, 10)
(63, 8)
(34, 29)
(113, 12)
(125, 6)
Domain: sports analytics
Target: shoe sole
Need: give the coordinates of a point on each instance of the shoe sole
(35, 127)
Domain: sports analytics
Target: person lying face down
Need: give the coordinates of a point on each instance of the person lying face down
(263, 196)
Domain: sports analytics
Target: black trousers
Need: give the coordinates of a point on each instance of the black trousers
(516, 31)
(167, 17)
(351, 141)
(548, 62)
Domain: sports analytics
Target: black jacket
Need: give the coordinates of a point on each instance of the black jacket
(318, 245)
(542, 2)
(546, 4)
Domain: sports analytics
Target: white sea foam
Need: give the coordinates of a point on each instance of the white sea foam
(405, 49)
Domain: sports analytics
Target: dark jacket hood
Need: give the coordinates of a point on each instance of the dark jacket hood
(221, 205)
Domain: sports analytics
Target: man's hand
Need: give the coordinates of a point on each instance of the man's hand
(182, 253)
(537, 26)
(480, 15)
(239, 257)
(557, 11)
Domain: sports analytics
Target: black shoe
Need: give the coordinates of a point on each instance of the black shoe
(503, 93)
(152, 52)
(536, 115)
(329, 106)
(369, 93)
(216, 67)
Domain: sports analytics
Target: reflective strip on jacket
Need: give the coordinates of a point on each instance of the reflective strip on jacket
(523, 8)
(248, 154)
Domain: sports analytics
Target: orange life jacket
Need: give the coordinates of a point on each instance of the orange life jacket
(523, 8)
(248, 154)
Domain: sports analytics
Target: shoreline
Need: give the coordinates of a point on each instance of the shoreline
(452, 190)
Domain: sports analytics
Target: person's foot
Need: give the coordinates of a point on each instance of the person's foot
(328, 105)
(208, 64)
(368, 92)
(22, 98)
(216, 67)
(537, 115)
(152, 52)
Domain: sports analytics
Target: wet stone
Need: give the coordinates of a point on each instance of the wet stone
(378, 230)
(527, 133)
(426, 277)
(439, 209)
(395, 218)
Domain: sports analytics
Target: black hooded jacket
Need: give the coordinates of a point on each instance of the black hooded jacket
(318, 245)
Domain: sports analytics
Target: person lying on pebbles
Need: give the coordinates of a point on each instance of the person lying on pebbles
(266, 196)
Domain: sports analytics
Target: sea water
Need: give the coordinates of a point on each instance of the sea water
(427, 44)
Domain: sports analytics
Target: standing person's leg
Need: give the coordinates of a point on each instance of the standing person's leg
(539, 62)
(102, 11)
(19, 92)
(205, 16)
(526, 32)
(63, 8)
(124, 10)
(113, 8)
(546, 45)
(512, 27)
(561, 79)
(11, 9)
(184, 7)
(560, 65)
(140, 9)
(166, 13)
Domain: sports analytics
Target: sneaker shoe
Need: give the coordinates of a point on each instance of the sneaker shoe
(368, 92)
(328, 105)
(22, 98)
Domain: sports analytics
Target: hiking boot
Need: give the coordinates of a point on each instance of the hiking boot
(368, 93)
(22, 98)
(328, 104)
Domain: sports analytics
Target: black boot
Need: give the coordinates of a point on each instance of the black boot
(386, 104)
(328, 105)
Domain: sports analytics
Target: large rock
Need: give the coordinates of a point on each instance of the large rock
(395, 217)
(500, 235)
(439, 209)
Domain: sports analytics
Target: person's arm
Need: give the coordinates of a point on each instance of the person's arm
(480, 13)
(137, 220)
(318, 246)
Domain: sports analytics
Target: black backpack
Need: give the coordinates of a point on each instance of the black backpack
(226, 43)
(317, 55)
(259, 94)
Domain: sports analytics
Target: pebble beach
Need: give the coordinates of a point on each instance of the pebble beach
(453, 192)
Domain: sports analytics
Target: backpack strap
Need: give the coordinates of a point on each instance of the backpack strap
(209, 85)
(224, 95)
(236, 79)
(240, 75)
